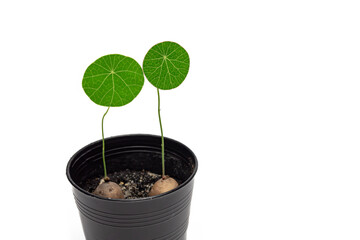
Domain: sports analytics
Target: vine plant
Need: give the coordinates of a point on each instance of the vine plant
(112, 81)
(166, 66)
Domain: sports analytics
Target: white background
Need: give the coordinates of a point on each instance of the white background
(270, 107)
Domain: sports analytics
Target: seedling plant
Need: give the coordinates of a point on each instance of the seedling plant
(165, 66)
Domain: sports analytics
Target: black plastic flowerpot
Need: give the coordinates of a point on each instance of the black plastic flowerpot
(162, 217)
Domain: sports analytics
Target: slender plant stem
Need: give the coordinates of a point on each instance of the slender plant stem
(103, 143)
(162, 138)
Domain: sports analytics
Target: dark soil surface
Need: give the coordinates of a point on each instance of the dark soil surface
(135, 184)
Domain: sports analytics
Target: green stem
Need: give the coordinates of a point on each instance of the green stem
(103, 142)
(162, 138)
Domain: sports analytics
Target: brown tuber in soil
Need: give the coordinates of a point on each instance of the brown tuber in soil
(109, 189)
(134, 184)
(163, 185)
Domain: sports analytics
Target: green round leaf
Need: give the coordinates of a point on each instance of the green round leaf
(166, 65)
(113, 80)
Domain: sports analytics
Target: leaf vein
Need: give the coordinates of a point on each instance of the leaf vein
(125, 84)
(100, 85)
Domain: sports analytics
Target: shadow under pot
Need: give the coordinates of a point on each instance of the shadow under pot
(161, 217)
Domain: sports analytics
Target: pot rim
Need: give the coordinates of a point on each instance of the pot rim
(137, 199)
